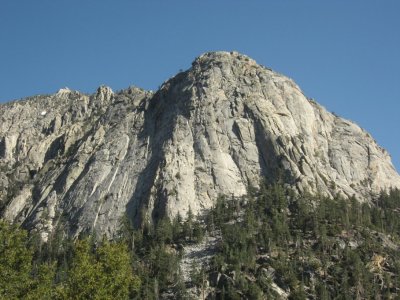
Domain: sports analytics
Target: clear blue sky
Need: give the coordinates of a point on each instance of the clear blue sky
(345, 54)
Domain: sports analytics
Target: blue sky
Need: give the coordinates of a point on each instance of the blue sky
(345, 54)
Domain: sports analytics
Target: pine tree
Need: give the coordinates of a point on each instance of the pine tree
(15, 262)
(115, 265)
(85, 280)
(42, 286)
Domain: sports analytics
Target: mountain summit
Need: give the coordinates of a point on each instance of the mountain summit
(79, 163)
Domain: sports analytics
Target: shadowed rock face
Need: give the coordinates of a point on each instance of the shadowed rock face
(78, 163)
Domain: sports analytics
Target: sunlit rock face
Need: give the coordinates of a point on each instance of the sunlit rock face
(77, 163)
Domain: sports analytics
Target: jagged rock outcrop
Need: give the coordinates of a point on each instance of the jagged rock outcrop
(78, 163)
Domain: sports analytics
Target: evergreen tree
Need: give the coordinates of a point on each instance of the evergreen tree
(15, 262)
(42, 286)
(115, 263)
(85, 278)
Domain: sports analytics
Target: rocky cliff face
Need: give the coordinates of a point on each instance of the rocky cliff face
(78, 162)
